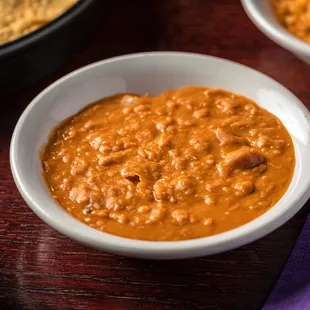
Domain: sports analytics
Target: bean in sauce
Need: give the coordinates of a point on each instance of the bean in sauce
(188, 163)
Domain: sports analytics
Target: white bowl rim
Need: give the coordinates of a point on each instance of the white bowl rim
(254, 230)
(279, 34)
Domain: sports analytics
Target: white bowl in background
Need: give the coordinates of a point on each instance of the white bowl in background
(154, 73)
(262, 15)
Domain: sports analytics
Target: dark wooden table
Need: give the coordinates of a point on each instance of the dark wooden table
(41, 269)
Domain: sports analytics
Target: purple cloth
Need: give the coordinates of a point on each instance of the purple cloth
(292, 290)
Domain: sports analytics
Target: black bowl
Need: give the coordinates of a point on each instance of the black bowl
(28, 59)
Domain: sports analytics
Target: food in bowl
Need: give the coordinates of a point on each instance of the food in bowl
(294, 16)
(20, 17)
(188, 163)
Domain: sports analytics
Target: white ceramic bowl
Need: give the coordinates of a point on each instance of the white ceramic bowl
(262, 15)
(154, 73)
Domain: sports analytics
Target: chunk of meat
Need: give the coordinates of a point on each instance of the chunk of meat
(180, 216)
(186, 185)
(213, 186)
(244, 188)
(201, 113)
(199, 144)
(243, 158)
(129, 100)
(264, 141)
(78, 166)
(113, 158)
(162, 189)
(226, 138)
(227, 105)
(78, 195)
(157, 214)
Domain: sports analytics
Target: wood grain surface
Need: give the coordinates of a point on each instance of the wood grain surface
(41, 269)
